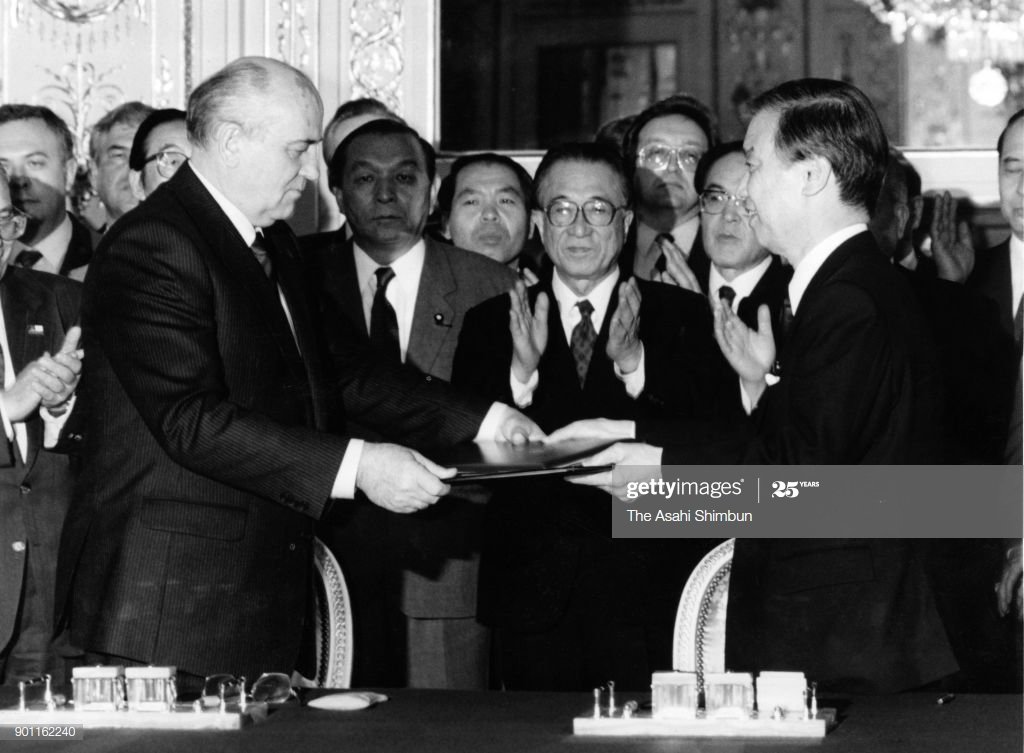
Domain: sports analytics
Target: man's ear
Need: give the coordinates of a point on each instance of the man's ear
(135, 181)
(445, 231)
(627, 221)
(434, 188)
(336, 192)
(227, 140)
(537, 221)
(916, 205)
(816, 174)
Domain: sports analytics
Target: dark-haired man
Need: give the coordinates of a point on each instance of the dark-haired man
(382, 176)
(662, 148)
(160, 148)
(573, 607)
(37, 150)
(856, 386)
(485, 207)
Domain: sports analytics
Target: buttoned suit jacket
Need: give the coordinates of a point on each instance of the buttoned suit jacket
(39, 309)
(189, 542)
(859, 384)
(438, 546)
(541, 535)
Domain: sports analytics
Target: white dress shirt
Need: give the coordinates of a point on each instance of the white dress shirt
(401, 291)
(742, 285)
(569, 314)
(53, 247)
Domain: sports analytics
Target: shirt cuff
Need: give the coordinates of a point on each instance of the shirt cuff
(522, 394)
(490, 427)
(345, 482)
(748, 404)
(8, 426)
(54, 425)
(634, 381)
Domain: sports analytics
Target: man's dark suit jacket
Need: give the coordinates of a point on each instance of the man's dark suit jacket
(547, 537)
(189, 542)
(991, 279)
(79, 248)
(39, 309)
(437, 547)
(858, 385)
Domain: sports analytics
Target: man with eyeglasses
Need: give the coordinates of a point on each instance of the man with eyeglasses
(743, 273)
(37, 316)
(160, 147)
(573, 607)
(37, 150)
(662, 149)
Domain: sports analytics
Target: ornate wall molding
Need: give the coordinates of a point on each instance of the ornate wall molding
(377, 58)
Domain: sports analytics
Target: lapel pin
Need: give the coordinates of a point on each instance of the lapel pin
(35, 329)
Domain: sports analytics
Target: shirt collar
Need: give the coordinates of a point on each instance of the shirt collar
(812, 261)
(743, 284)
(599, 296)
(234, 214)
(407, 267)
(1016, 270)
(53, 247)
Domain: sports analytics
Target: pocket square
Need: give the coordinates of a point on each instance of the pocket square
(35, 329)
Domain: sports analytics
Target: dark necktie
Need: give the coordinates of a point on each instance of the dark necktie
(27, 258)
(261, 250)
(781, 331)
(582, 340)
(384, 320)
(727, 295)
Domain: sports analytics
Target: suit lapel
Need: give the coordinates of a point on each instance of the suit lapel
(225, 244)
(434, 312)
(30, 332)
(345, 283)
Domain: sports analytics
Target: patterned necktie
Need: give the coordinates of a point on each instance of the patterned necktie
(727, 294)
(261, 250)
(27, 258)
(582, 341)
(384, 320)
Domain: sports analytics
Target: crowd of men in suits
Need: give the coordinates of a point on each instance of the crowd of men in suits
(242, 391)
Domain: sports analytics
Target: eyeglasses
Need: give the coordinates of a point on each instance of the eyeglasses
(12, 224)
(167, 162)
(714, 202)
(222, 689)
(597, 212)
(659, 157)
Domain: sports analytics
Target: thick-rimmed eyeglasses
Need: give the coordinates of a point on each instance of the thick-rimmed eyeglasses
(659, 157)
(597, 212)
(715, 202)
(12, 224)
(167, 162)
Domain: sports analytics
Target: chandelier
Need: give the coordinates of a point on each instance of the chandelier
(974, 31)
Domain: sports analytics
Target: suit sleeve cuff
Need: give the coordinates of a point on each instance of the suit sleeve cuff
(345, 482)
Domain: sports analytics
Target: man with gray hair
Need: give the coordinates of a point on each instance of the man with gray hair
(110, 143)
(207, 460)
